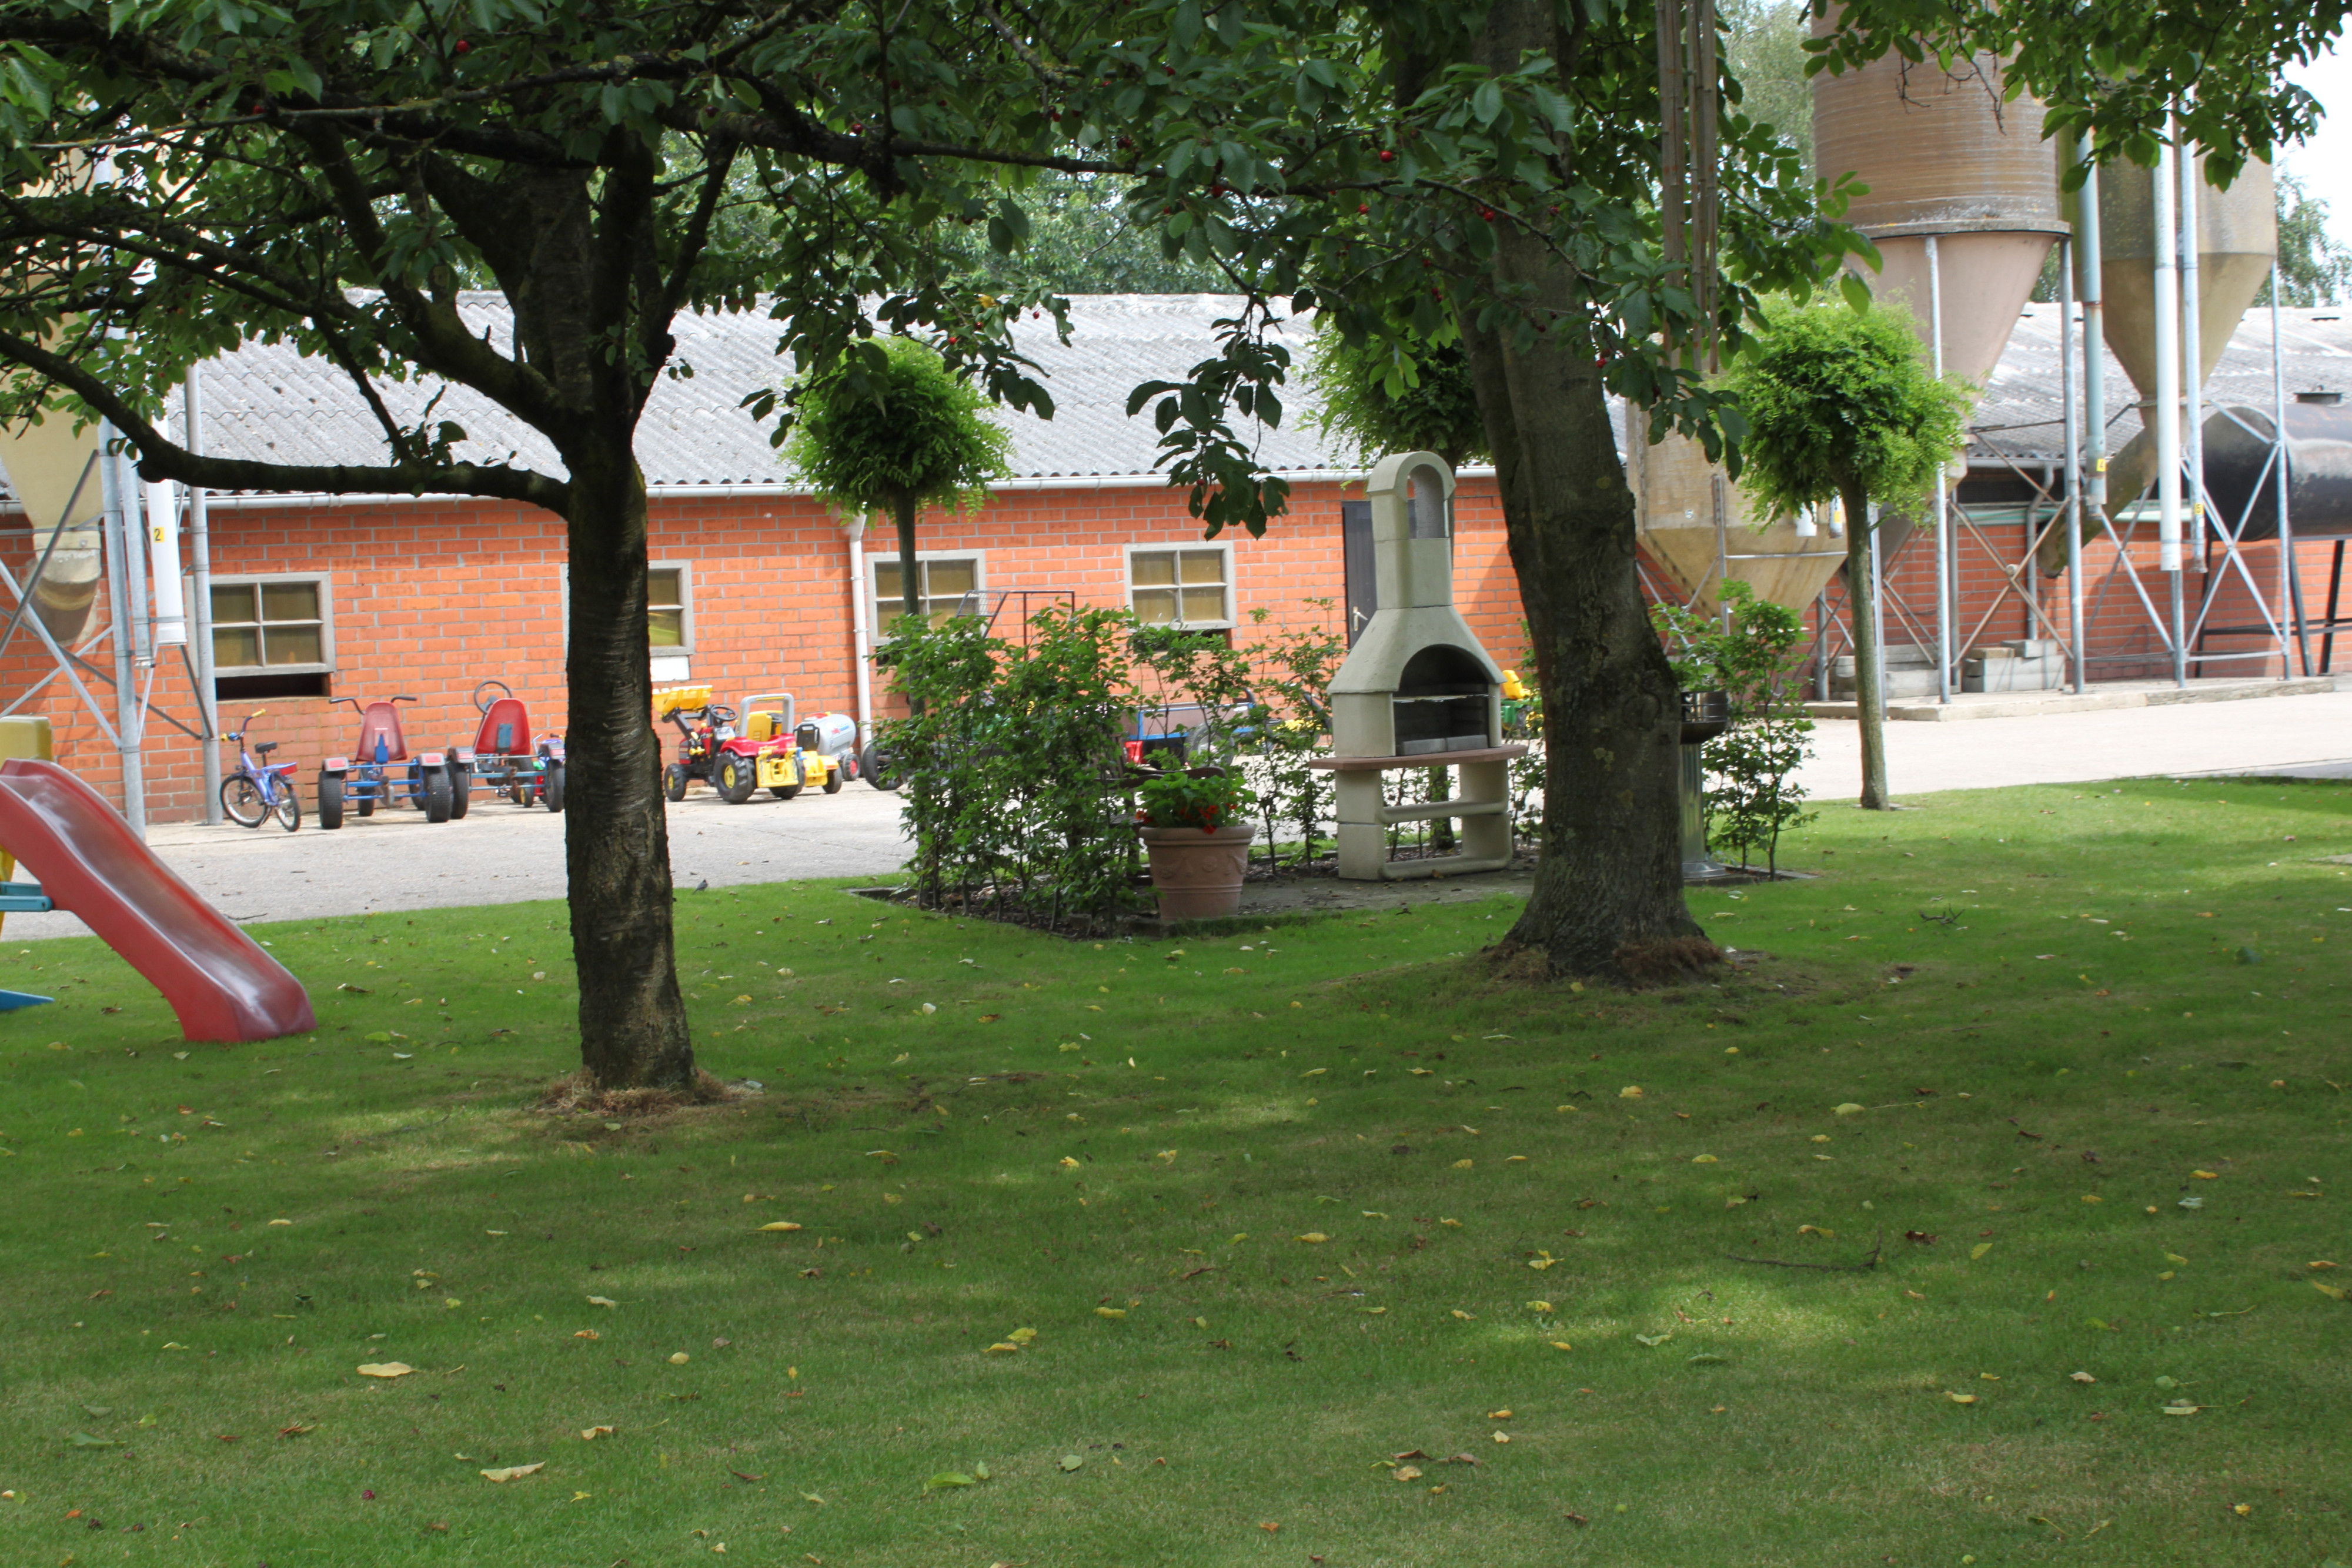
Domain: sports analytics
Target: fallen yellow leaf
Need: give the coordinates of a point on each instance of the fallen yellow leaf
(2206, 1176)
(1538, 1306)
(679, 1358)
(1631, 1092)
(1561, 1345)
(1112, 1312)
(780, 1225)
(1960, 1398)
(1021, 1336)
(603, 1301)
(1002, 1348)
(1848, 1109)
(511, 1471)
(1980, 1249)
(1313, 1238)
(387, 1369)
(1704, 1160)
(1498, 1414)
(2335, 1293)
(2081, 1377)
(589, 1434)
(1462, 1165)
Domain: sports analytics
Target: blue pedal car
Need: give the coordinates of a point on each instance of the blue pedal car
(380, 771)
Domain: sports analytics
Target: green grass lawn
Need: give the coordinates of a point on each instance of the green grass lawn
(1336, 1250)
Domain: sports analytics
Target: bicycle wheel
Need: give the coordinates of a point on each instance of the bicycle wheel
(290, 806)
(242, 799)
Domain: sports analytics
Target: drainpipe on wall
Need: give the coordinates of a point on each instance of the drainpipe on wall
(200, 567)
(861, 635)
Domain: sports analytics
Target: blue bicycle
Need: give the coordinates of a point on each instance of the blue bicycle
(257, 790)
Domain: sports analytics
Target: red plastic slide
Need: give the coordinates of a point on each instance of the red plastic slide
(221, 984)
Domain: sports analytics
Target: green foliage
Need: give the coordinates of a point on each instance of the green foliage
(1386, 396)
(2312, 268)
(1752, 795)
(1197, 685)
(1293, 674)
(1009, 770)
(893, 427)
(1083, 239)
(1203, 798)
(1764, 52)
(1839, 401)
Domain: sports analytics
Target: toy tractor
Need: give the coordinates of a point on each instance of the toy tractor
(776, 755)
(504, 759)
(703, 726)
(380, 771)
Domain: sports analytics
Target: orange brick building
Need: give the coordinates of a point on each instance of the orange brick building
(755, 586)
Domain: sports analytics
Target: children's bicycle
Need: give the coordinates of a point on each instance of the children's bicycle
(257, 790)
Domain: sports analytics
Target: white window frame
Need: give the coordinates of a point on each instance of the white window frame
(1222, 547)
(324, 583)
(684, 569)
(885, 611)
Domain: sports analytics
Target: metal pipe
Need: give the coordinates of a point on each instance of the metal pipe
(2285, 525)
(1877, 608)
(118, 605)
(200, 565)
(1943, 534)
(134, 560)
(2192, 380)
(2167, 390)
(861, 637)
(2073, 512)
(2086, 245)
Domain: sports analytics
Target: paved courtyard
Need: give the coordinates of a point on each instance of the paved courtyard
(503, 854)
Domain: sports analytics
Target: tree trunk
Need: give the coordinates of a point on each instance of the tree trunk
(633, 1028)
(1610, 869)
(1862, 599)
(910, 585)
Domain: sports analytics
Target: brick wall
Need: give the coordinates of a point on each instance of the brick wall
(430, 596)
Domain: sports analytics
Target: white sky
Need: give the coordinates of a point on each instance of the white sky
(2324, 164)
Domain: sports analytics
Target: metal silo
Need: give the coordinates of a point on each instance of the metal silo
(1695, 522)
(1963, 201)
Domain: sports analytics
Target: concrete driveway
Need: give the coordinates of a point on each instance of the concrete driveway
(503, 854)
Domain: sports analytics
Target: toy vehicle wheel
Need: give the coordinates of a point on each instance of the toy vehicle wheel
(435, 800)
(289, 807)
(331, 800)
(675, 780)
(876, 766)
(832, 781)
(784, 791)
(461, 788)
(737, 780)
(241, 798)
(368, 790)
(550, 787)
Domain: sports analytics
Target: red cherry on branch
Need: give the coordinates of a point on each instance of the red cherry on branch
(1387, 156)
(463, 46)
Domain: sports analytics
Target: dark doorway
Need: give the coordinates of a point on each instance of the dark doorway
(1356, 536)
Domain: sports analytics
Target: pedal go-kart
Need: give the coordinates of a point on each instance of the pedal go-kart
(380, 771)
(504, 759)
(702, 727)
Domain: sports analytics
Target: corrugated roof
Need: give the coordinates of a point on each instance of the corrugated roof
(2019, 413)
(268, 403)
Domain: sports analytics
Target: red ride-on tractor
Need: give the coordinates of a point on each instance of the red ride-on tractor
(380, 771)
(703, 726)
(504, 759)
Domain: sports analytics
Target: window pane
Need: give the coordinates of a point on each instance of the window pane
(1204, 566)
(293, 645)
(948, 579)
(1156, 569)
(886, 583)
(664, 628)
(235, 647)
(662, 587)
(289, 601)
(1205, 604)
(1155, 606)
(233, 606)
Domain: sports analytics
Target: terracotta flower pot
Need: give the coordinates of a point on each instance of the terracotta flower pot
(1198, 874)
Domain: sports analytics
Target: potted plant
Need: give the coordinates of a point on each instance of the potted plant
(1197, 826)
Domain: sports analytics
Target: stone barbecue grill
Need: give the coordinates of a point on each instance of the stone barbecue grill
(1418, 691)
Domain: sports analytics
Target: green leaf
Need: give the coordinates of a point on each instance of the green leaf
(84, 1440)
(1486, 104)
(1856, 292)
(1072, 1462)
(948, 1479)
